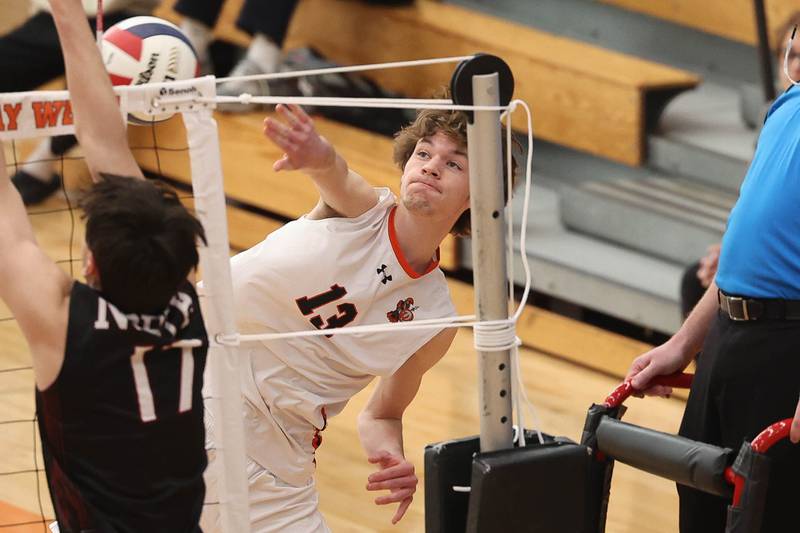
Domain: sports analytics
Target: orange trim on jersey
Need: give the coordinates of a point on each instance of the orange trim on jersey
(413, 274)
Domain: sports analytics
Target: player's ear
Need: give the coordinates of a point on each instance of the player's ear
(89, 265)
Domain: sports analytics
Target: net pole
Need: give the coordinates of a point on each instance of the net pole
(222, 372)
(489, 260)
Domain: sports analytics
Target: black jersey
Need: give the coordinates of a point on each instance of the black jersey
(122, 425)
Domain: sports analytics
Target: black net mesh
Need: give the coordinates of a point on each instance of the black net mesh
(162, 152)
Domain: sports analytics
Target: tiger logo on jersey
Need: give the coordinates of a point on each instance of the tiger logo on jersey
(404, 312)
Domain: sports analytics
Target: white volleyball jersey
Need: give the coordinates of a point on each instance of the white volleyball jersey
(335, 272)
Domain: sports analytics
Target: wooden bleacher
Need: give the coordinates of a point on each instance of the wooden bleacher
(582, 96)
(731, 19)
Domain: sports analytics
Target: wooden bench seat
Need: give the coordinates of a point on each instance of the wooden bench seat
(582, 96)
(731, 19)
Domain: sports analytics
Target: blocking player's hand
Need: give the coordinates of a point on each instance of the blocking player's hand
(304, 148)
(396, 475)
(660, 361)
(794, 432)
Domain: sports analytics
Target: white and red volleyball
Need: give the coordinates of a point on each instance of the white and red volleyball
(143, 50)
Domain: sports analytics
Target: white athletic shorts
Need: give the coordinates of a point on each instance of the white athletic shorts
(275, 506)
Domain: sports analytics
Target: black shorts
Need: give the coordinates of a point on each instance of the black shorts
(748, 377)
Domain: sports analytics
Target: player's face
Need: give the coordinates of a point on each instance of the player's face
(436, 178)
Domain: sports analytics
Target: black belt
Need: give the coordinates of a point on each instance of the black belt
(741, 308)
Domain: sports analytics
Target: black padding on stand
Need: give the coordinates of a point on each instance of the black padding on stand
(749, 514)
(684, 461)
(448, 464)
(599, 481)
(541, 488)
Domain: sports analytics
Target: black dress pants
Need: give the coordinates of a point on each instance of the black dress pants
(748, 377)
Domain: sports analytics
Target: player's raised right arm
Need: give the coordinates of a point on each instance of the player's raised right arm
(340, 189)
(99, 125)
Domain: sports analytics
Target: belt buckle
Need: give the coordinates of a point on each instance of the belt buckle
(743, 303)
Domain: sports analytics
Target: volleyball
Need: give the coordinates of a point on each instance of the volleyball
(143, 50)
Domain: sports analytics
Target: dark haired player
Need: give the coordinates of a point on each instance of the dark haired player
(118, 361)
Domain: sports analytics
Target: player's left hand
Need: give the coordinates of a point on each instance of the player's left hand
(396, 475)
(794, 432)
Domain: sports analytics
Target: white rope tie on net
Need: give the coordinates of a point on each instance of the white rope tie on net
(325, 101)
(351, 68)
(331, 101)
(221, 339)
(247, 98)
(236, 339)
(495, 335)
(519, 393)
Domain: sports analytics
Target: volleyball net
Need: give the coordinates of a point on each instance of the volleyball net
(25, 117)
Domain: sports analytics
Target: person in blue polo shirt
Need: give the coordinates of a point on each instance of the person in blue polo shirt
(747, 329)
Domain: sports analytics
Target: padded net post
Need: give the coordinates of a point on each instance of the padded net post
(222, 373)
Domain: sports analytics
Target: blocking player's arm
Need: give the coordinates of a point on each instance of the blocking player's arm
(31, 284)
(342, 192)
(98, 123)
(380, 425)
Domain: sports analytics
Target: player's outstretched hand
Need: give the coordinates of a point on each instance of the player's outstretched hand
(396, 475)
(304, 148)
(660, 361)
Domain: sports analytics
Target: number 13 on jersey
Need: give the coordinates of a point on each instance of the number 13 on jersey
(347, 311)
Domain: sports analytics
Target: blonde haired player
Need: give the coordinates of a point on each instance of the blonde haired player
(361, 256)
